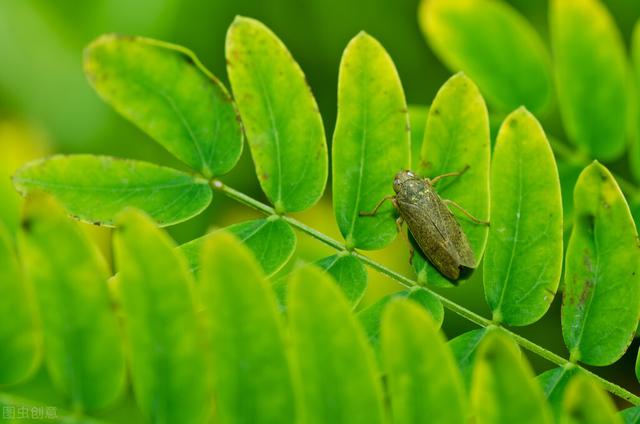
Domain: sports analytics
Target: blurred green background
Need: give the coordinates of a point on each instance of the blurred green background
(47, 106)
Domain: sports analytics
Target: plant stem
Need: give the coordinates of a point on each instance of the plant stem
(407, 282)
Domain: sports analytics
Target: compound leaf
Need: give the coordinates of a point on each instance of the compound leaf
(82, 342)
(523, 261)
(280, 115)
(95, 189)
(339, 382)
(371, 142)
(163, 331)
(248, 356)
(421, 382)
(165, 90)
(589, 52)
(601, 299)
(495, 46)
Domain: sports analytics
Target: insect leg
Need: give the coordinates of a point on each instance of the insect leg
(449, 174)
(375, 209)
(399, 223)
(461, 209)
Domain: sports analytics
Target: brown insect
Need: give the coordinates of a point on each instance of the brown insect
(432, 225)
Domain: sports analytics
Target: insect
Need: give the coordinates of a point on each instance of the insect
(432, 225)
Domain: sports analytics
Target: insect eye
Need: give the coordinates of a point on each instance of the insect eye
(409, 173)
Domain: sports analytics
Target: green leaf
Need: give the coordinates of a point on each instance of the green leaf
(495, 46)
(371, 316)
(634, 150)
(271, 240)
(371, 142)
(280, 115)
(464, 348)
(95, 189)
(457, 138)
(418, 118)
(248, 354)
(165, 90)
(20, 339)
(82, 347)
(637, 367)
(601, 302)
(349, 273)
(170, 379)
(338, 379)
(504, 389)
(523, 261)
(589, 53)
(586, 403)
(422, 382)
(630, 415)
(554, 383)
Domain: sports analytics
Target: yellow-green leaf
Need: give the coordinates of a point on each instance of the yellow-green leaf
(523, 261)
(338, 381)
(20, 338)
(504, 390)
(601, 298)
(423, 377)
(252, 381)
(165, 90)
(164, 337)
(371, 142)
(280, 115)
(271, 240)
(592, 75)
(586, 403)
(82, 343)
(456, 139)
(495, 46)
(95, 189)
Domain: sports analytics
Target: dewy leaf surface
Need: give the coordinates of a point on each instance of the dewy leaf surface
(280, 115)
(82, 342)
(586, 403)
(167, 360)
(495, 46)
(422, 382)
(337, 374)
(271, 240)
(523, 261)
(592, 75)
(456, 139)
(165, 90)
(20, 339)
(601, 299)
(95, 189)
(371, 142)
(249, 362)
(349, 273)
(503, 389)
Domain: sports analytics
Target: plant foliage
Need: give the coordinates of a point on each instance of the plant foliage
(210, 331)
